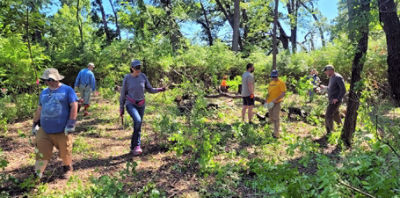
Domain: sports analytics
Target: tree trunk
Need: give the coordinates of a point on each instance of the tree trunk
(312, 12)
(293, 7)
(78, 19)
(283, 37)
(358, 64)
(116, 20)
(104, 19)
(236, 21)
(30, 48)
(229, 18)
(274, 42)
(391, 26)
(206, 25)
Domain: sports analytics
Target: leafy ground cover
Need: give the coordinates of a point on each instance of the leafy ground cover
(211, 153)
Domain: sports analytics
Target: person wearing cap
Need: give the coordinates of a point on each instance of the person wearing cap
(248, 92)
(56, 116)
(276, 92)
(336, 91)
(86, 83)
(133, 99)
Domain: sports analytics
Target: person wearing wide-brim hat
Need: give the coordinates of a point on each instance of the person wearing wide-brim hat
(133, 98)
(276, 92)
(56, 116)
(336, 91)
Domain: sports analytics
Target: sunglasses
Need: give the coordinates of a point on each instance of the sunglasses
(136, 67)
(48, 80)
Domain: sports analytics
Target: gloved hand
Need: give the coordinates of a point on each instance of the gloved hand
(121, 112)
(35, 128)
(161, 89)
(251, 96)
(70, 127)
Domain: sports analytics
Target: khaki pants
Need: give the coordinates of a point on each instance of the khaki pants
(274, 117)
(85, 91)
(45, 143)
(332, 113)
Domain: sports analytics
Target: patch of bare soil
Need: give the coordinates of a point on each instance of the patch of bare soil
(105, 151)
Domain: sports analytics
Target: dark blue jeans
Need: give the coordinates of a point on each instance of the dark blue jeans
(137, 116)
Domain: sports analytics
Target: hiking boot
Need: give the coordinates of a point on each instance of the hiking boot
(137, 151)
(85, 113)
(67, 172)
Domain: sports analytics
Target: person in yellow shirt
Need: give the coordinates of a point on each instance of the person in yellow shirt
(276, 92)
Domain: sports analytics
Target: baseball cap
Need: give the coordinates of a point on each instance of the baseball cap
(274, 73)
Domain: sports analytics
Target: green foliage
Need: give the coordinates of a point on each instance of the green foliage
(18, 73)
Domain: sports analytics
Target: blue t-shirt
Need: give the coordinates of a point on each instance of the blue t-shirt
(56, 108)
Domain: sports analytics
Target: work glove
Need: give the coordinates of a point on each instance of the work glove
(35, 128)
(70, 127)
(161, 89)
(251, 96)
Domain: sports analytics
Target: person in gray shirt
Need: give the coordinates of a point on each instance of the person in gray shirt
(336, 91)
(132, 97)
(248, 92)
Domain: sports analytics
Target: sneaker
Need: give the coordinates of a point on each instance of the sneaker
(86, 113)
(67, 171)
(137, 151)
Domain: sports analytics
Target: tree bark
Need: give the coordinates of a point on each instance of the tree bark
(228, 15)
(293, 7)
(206, 25)
(391, 26)
(118, 31)
(274, 42)
(362, 18)
(104, 19)
(236, 22)
(283, 37)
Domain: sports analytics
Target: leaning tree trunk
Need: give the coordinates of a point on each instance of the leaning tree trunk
(104, 20)
(80, 25)
(358, 63)
(116, 19)
(236, 21)
(275, 43)
(391, 26)
(206, 25)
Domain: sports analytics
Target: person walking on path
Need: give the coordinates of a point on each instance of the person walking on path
(133, 98)
(56, 116)
(86, 83)
(315, 83)
(248, 92)
(336, 91)
(276, 92)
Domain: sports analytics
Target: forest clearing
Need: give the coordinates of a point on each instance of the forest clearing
(198, 98)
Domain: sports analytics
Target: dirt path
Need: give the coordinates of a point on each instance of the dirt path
(101, 147)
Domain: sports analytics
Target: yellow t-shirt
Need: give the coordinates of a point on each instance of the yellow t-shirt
(275, 89)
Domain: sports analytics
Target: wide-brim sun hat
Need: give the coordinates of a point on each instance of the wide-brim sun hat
(51, 73)
(329, 67)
